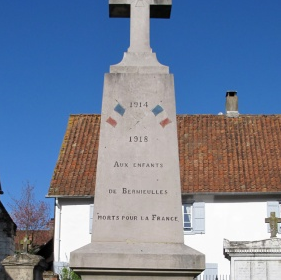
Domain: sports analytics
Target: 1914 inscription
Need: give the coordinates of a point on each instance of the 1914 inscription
(138, 104)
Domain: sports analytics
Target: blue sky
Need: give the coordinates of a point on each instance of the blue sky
(54, 53)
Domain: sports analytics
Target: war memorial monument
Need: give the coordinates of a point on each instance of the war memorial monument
(137, 226)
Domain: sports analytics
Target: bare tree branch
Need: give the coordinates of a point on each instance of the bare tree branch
(28, 213)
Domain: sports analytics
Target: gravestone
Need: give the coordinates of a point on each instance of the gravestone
(137, 225)
(24, 267)
(25, 243)
(254, 260)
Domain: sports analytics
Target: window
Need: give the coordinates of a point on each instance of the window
(273, 206)
(193, 218)
(91, 215)
(187, 223)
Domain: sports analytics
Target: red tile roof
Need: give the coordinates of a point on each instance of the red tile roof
(218, 154)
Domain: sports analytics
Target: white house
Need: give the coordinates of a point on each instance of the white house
(230, 167)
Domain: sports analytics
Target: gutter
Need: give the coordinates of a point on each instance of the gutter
(69, 196)
(58, 226)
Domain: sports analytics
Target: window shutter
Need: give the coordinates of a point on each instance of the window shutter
(198, 218)
(91, 218)
(273, 206)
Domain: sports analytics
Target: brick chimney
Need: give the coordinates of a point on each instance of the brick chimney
(231, 104)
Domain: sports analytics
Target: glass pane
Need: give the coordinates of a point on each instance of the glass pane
(187, 217)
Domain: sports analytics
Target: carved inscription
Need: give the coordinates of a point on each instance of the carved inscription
(243, 270)
(152, 217)
(273, 270)
(138, 139)
(139, 167)
(118, 164)
(258, 270)
(132, 191)
(138, 104)
(137, 192)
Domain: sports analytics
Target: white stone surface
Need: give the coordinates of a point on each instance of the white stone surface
(140, 256)
(140, 22)
(24, 266)
(139, 57)
(138, 155)
(250, 268)
(254, 260)
(142, 63)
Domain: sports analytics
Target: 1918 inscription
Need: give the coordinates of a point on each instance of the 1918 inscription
(138, 139)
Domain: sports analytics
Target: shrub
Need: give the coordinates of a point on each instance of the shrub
(68, 274)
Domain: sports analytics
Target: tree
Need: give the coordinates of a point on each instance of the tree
(29, 214)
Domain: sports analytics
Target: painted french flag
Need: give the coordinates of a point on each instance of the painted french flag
(161, 115)
(117, 113)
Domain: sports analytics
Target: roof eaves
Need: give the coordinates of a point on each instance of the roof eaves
(69, 196)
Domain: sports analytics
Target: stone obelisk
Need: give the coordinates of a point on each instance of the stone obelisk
(137, 225)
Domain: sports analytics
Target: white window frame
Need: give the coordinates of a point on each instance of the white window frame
(196, 213)
(187, 217)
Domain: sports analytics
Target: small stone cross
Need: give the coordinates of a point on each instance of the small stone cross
(140, 12)
(25, 242)
(273, 224)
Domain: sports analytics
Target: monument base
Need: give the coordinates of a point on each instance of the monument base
(137, 261)
(139, 275)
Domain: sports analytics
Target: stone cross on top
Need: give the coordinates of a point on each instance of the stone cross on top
(25, 242)
(140, 12)
(273, 224)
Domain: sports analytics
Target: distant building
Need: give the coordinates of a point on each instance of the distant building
(7, 233)
(38, 238)
(41, 243)
(230, 168)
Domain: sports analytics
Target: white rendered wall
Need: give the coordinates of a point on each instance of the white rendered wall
(233, 221)
(72, 218)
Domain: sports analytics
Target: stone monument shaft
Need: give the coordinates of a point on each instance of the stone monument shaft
(137, 224)
(138, 190)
